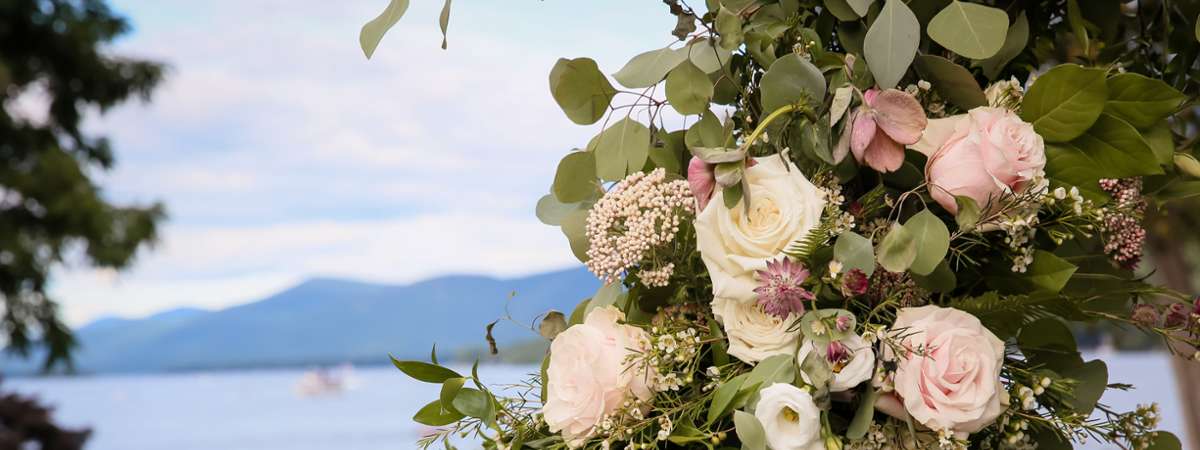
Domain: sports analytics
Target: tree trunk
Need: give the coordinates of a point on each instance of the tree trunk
(1171, 265)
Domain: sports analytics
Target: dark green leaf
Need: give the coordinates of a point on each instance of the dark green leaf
(1118, 148)
(450, 389)
(423, 371)
(952, 81)
(942, 279)
(1093, 380)
(1140, 100)
(1065, 101)
(434, 415)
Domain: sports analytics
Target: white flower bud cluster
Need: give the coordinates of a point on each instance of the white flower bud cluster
(1013, 435)
(639, 214)
(669, 357)
(1005, 94)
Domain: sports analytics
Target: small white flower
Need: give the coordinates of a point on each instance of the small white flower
(790, 418)
(835, 268)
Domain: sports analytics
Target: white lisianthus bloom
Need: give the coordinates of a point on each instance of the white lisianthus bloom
(790, 418)
(752, 333)
(784, 207)
(856, 367)
(734, 244)
(589, 375)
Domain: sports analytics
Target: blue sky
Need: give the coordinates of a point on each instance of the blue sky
(282, 153)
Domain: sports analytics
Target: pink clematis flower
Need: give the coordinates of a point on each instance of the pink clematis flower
(702, 180)
(880, 128)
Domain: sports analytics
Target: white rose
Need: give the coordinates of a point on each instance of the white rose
(784, 207)
(589, 376)
(753, 334)
(790, 418)
(858, 369)
(954, 383)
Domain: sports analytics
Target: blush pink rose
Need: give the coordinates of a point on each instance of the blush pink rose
(588, 375)
(984, 155)
(949, 378)
(887, 121)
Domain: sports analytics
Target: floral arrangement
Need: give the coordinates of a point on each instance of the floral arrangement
(877, 228)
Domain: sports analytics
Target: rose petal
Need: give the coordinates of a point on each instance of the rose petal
(900, 116)
(884, 154)
(701, 180)
(862, 128)
(937, 132)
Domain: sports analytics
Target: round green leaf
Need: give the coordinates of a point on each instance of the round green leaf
(574, 226)
(706, 56)
(932, 240)
(897, 250)
(621, 149)
(970, 29)
(1065, 101)
(1014, 44)
(580, 89)
(1164, 440)
(729, 27)
(842, 10)
(648, 68)
(790, 79)
(749, 431)
(952, 81)
(689, 89)
(855, 252)
(551, 211)
(891, 43)
(575, 180)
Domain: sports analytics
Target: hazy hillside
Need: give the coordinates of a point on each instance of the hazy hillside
(330, 321)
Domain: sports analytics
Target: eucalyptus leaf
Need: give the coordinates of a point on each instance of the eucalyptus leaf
(718, 155)
(580, 89)
(932, 240)
(553, 323)
(729, 27)
(970, 29)
(855, 252)
(706, 56)
(790, 79)
(444, 21)
(898, 250)
(689, 89)
(1140, 100)
(648, 68)
(775, 369)
(968, 213)
(952, 81)
(574, 227)
(1014, 43)
(575, 179)
(891, 43)
(372, 32)
(860, 6)
(550, 211)
(842, 10)
(621, 149)
(708, 133)
(1065, 101)
(728, 174)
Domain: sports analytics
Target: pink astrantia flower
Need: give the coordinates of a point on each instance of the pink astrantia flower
(855, 282)
(780, 291)
(887, 121)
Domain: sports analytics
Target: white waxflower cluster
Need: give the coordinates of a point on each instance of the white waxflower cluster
(670, 356)
(1020, 231)
(639, 214)
(1027, 396)
(1013, 435)
(841, 220)
(1005, 94)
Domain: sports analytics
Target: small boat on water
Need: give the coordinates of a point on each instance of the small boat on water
(326, 381)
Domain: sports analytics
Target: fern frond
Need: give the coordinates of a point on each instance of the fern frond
(803, 248)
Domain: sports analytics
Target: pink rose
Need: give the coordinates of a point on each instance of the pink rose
(880, 128)
(589, 376)
(949, 378)
(984, 154)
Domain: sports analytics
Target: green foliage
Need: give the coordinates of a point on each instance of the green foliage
(749, 431)
(1140, 100)
(648, 68)
(897, 250)
(372, 32)
(423, 371)
(62, 50)
(970, 29)
(575, 179)
(891, 43)
(621, 149)
(580, 89)
(952, 81)
(1014, 44)
(855, 252)
(688, 89)
(1065, 102)
(931, 239)
(789, 80)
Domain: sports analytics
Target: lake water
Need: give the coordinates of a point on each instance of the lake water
(259, 410)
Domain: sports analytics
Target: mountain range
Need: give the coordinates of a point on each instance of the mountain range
(330, 321)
